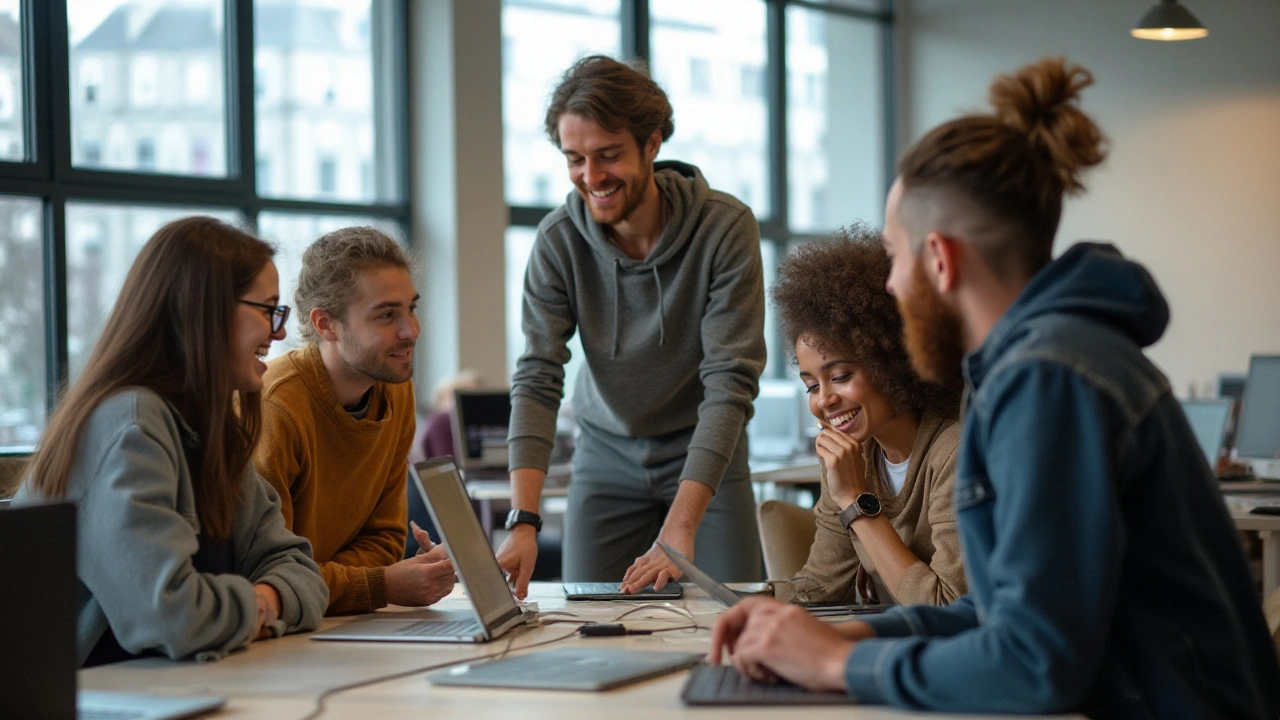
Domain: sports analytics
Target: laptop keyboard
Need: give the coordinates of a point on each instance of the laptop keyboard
(724, 685)
(440, 628)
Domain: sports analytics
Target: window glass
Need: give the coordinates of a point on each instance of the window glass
(291, 233)
(835, 121)
(519, 245)
(322, 130)
(22, 321)
(139, 100)
(102, 242)
(12, 128)
(710, 58)
(540, 40)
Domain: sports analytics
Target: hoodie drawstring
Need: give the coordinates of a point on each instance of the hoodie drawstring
(616, 270)
(662, 326)
(662, 323)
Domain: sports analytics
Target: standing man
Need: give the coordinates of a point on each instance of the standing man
(338, 423)
(661, 278)
(1105, 575)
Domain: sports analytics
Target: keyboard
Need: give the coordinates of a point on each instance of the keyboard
(724, 685)
(440, 628)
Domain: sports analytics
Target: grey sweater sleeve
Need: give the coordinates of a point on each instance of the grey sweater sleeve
(135, 557)
(537, 387)
(266, 552)
(733, 352)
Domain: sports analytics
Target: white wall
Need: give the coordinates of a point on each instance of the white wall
(1192, 186)
(459, 213)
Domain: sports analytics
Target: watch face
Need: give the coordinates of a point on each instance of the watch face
(869, 504)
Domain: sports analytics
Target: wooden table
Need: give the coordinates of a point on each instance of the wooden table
(283, 678)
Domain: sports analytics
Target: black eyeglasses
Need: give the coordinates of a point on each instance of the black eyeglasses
(279, 314)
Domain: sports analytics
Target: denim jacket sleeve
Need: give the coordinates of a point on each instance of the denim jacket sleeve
(1040, 517)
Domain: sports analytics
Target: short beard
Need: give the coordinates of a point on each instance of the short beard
(932, 330)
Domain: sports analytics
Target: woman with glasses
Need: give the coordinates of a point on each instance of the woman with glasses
(181, 547)
(885, 525)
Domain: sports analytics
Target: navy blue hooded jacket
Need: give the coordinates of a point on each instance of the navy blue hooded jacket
(1105, 574)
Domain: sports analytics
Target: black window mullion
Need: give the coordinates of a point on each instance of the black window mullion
(889, 92)
(635, 29)
(58, 84)
(776, 92)
(241, 165)
(55, 298)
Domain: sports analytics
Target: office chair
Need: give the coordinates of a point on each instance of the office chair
(786, 532)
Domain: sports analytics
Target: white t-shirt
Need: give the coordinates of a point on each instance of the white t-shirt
(893, 473)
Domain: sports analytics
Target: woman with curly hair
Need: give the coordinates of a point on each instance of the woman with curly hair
(885, 527)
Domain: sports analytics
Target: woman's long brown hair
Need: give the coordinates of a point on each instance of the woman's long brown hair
(170, 332)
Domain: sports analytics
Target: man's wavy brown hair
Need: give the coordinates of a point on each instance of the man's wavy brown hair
(832, 292)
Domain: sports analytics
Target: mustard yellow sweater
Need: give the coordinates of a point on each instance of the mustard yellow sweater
(341, 480)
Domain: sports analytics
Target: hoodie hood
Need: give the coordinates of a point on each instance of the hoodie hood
(1090, 280)
(682, 185)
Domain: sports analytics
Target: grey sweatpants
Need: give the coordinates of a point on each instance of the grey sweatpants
(617, 506)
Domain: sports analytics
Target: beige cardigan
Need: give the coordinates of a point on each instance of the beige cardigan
(921, 514)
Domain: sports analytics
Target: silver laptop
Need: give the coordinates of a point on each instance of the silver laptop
(95, 705)
(713, 587)
(569, 669)
(1209, 419)
(494, 611)
(480, 421)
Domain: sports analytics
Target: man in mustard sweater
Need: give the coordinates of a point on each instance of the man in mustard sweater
(338, 422)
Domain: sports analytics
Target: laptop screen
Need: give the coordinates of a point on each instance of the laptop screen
(1258, 435)
(480, 421)
(1208, 420)
(473, 559)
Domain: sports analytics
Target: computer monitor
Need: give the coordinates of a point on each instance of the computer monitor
(1258, 435)
(777, 429)
(1208, 419)
(480, 422)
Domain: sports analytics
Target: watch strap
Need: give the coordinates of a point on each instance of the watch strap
(517, 516)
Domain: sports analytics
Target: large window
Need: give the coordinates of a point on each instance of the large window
(784, 104)
(158, 109)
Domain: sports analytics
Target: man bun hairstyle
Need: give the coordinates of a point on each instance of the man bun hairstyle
(331, 270)
(615, 95)
(1014, 165)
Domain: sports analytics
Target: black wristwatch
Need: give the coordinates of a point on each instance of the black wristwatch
(865, 504)
(517, 516)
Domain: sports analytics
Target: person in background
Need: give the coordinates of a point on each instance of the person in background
(885, 526)
(338, 422)
(435, 427)
(660, 277)
(1105, 574)
(181, 549)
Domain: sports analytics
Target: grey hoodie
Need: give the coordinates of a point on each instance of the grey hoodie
(137, 529)
(674, 343)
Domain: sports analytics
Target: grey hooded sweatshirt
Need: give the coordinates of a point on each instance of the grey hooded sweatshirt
(674, 343)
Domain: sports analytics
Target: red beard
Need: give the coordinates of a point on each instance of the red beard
(932, 330)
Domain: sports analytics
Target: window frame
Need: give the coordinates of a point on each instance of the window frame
(48, 174)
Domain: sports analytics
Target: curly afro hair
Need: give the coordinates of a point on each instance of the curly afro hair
(832, 292)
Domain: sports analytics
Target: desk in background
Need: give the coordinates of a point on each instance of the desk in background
(282, 678)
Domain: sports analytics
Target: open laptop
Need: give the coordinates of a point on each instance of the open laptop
(480, 421)
(589, 669)
(723, 684)
(729, 597)
(38, 659)
(1209, 420)
(494, 611)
